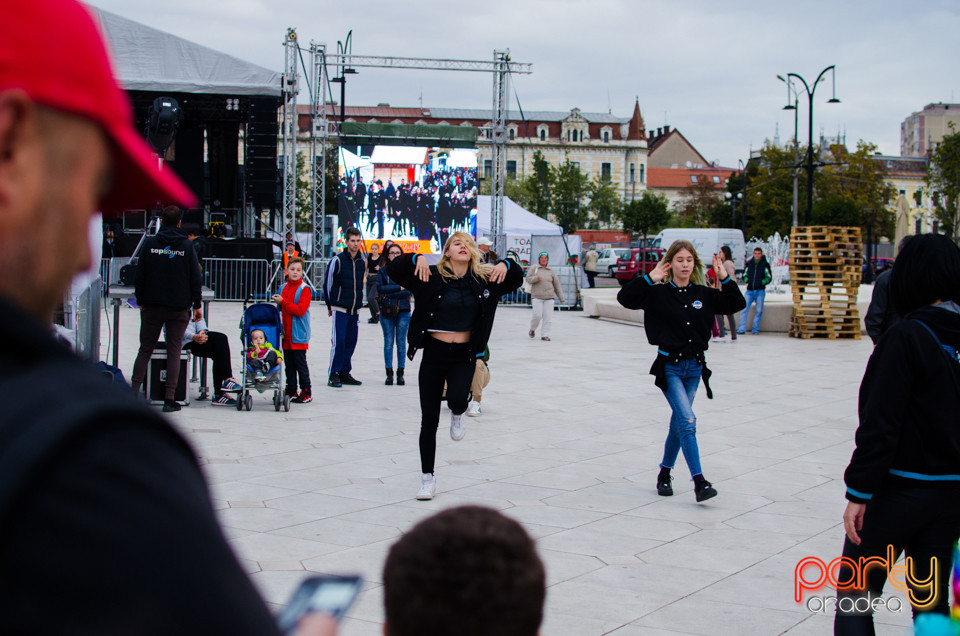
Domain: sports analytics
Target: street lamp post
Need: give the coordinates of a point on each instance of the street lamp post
(733, 199)
(810, 93)
(795, 107)
(743, 196)
(344, 48)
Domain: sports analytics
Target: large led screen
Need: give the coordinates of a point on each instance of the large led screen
(414, 196)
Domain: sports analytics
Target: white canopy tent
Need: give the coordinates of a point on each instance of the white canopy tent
(147, 59)
(527, 232)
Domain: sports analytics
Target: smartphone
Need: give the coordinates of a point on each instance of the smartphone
(331, 595)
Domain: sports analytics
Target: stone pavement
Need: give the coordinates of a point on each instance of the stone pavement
(568, 444)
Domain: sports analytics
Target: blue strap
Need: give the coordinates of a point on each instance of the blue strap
(857, 493)
(950, 352)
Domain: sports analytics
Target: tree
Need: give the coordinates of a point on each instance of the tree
(304, 221)
(855, 192)
(698, 203)
(769, 192)
(646, 215)
(567, 194)
(943, 183)
(605, 201)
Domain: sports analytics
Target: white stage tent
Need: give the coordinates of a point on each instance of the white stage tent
(147, 59)
(527, 233)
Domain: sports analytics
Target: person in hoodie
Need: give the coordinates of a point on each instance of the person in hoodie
(168, 283)
(903, 480)
(756, 274)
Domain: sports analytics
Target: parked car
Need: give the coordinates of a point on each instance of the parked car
(607, 263)
(640, 261)
(881, 264)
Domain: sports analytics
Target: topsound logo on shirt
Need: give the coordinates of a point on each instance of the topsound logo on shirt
(166, 251)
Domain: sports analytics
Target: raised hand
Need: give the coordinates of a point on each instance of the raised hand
(659, 272)
(422, 269)
(718, 267)
(499, 273)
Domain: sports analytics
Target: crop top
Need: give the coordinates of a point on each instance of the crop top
(458, 309)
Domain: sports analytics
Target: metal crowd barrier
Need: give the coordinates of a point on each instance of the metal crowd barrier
(241, 278)
(568, 282)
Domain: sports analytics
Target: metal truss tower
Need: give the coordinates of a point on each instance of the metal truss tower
(500, 66)
(319, 132)
(289, 118)
(498, 134)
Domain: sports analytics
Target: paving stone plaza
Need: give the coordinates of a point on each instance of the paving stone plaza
(568, 444)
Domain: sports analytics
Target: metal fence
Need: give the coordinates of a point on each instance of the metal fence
(241, 278)
(569, 279)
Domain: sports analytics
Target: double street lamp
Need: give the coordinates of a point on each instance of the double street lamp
(811, 90)
(739, 197)
(344, 48)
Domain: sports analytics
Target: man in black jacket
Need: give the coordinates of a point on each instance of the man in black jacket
(168, 283)
(757, 274)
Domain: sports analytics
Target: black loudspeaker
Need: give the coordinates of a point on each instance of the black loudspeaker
(260, 162)
(155, 384)
(128, 275)
(222, 151)
(188, 157)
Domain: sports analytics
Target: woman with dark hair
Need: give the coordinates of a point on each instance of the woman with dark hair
(394, 316)
(903, 480)
(731, 271)
(678, 311)
(455, 304)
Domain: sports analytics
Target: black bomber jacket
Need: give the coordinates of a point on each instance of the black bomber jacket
(428, 294)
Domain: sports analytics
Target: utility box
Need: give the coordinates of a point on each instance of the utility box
(155, 384)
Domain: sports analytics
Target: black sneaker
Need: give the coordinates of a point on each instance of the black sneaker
(303, 397)
(664, 489)
(346, 378)
(704, 490)
(334, 381)
(170, 406)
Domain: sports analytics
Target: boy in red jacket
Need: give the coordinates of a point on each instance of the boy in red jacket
(294, 301)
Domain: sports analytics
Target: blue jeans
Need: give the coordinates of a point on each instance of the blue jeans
(395, 329)
(682, 380)
(757, 296)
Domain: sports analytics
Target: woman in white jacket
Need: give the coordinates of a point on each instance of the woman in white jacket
(544, 284)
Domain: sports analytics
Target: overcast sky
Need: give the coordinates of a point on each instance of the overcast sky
(706, 68)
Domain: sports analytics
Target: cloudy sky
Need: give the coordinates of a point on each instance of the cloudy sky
(708, 69)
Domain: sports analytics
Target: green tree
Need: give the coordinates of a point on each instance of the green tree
(605, 201)
(304, 211)
(856, 190)
(943, 183)
(569, 190)
(769, 192)
(646, 215)
(698, 203)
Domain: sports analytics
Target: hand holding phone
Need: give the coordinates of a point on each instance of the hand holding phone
(332, 595)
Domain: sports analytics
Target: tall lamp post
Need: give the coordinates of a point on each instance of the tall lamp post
(733, 199)
(811, 90)
(344, 48)
(795, 107)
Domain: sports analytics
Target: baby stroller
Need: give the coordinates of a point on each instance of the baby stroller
(266, 318)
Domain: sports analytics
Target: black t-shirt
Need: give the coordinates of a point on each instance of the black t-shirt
(458, 309)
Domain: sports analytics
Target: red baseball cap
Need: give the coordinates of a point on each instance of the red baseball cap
(53, 51)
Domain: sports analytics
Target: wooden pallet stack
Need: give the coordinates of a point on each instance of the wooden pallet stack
(825, 272)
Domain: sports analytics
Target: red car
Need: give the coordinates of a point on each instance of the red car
(640, 262)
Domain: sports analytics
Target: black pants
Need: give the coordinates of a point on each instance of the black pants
(294, 364)
(153, 318)
(442, 362)
(591, 276)
(923, 521)
(216, 348)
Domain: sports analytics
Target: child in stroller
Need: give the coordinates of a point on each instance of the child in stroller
(261, 356)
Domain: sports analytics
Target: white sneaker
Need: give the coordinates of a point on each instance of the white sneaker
(457, 430)
(428, 487)
(715, 339)
(474, 409)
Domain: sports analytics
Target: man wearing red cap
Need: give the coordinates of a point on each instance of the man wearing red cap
(106, 525)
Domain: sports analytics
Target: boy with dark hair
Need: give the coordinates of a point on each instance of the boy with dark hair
(344, 296)
(294, 302)
(468, 571)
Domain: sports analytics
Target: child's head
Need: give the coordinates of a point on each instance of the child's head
(258, 338)
(295, 269)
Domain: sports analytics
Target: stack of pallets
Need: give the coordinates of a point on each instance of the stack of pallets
(825, 272)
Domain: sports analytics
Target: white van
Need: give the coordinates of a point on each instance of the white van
(707, 242)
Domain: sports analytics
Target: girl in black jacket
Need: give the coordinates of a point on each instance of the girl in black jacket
(677, 317)
(455, 302)
(903, 480)
(394, 316)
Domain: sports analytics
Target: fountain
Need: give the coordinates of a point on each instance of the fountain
(776, 249)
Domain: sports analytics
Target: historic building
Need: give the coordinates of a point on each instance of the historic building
(906, 175)
(675, 165)
(922, 131)
(602, 145)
